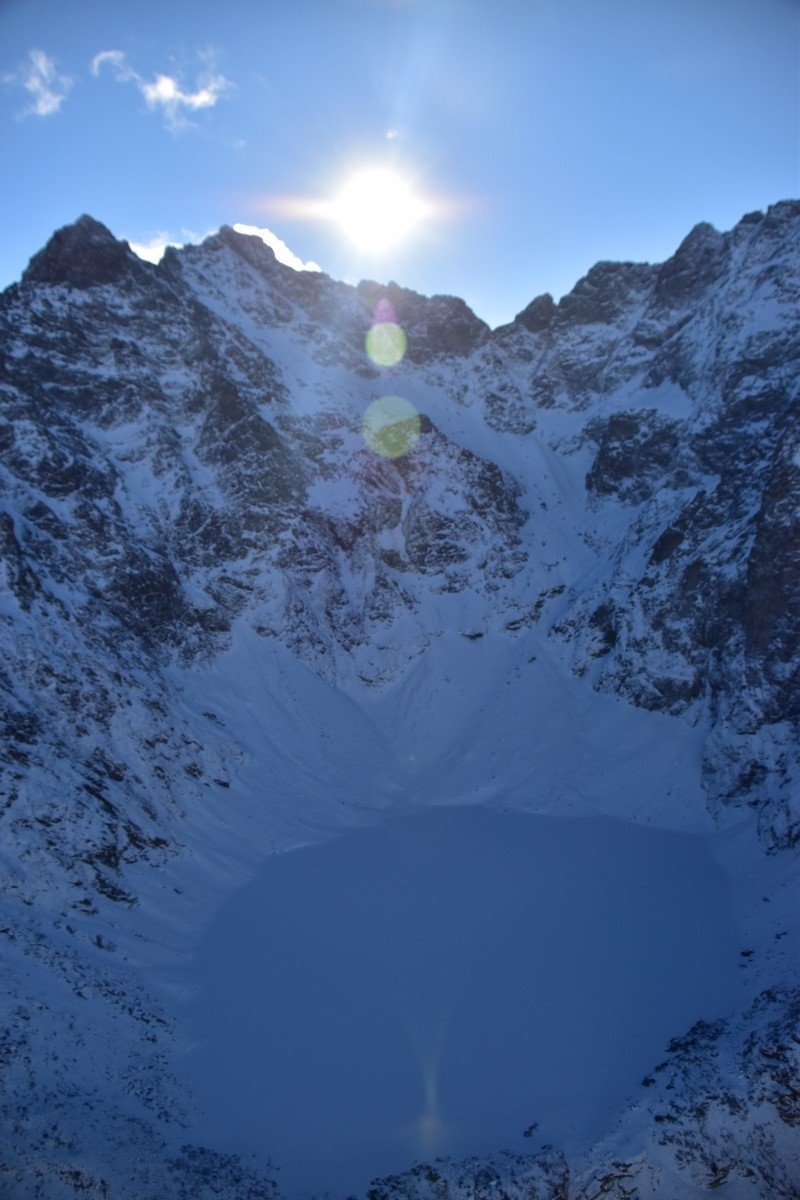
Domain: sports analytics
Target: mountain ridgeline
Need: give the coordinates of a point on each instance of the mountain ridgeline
(608, 488)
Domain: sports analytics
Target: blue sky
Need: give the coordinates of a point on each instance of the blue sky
(547, 134)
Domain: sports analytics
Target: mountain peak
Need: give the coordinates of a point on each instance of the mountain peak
(435, 324)
(84, 254)
(696, 265)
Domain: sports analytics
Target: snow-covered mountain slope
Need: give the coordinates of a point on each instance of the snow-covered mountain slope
(231, 626)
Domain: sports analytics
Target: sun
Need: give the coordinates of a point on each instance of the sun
(377, 209)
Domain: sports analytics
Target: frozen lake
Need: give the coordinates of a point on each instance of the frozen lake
(440, 983)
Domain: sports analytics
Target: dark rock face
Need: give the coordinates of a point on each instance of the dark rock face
(635, 452)
(508, 412)
(435, 326)
(604, 293)
(19, 580)
(82, 255)
(698, 263)
(538, 315)
(773, 572)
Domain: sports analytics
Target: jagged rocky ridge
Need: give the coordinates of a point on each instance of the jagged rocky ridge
(612, 479)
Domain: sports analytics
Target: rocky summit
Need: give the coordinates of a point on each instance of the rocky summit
(261, 583)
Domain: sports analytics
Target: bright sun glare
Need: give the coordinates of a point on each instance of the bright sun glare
(377, 209)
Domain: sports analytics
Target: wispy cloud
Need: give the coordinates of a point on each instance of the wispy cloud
(165, 93)
(40, 77)
(116, 60)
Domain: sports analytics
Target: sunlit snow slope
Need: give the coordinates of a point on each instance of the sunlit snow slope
(237, 621)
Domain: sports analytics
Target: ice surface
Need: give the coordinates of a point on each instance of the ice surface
(439, 983)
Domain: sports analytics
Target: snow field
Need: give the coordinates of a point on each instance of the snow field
(442, 982)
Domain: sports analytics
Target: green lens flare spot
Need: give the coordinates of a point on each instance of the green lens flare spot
(386, 344)
(391, 426)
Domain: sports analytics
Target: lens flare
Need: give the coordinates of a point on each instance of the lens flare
(386, 344)
(428, 1043)
(391, 426)
(384, 310)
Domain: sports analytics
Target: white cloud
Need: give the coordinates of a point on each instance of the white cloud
(40, 77)
(280, 249)
(165, 93)
(153, 249)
